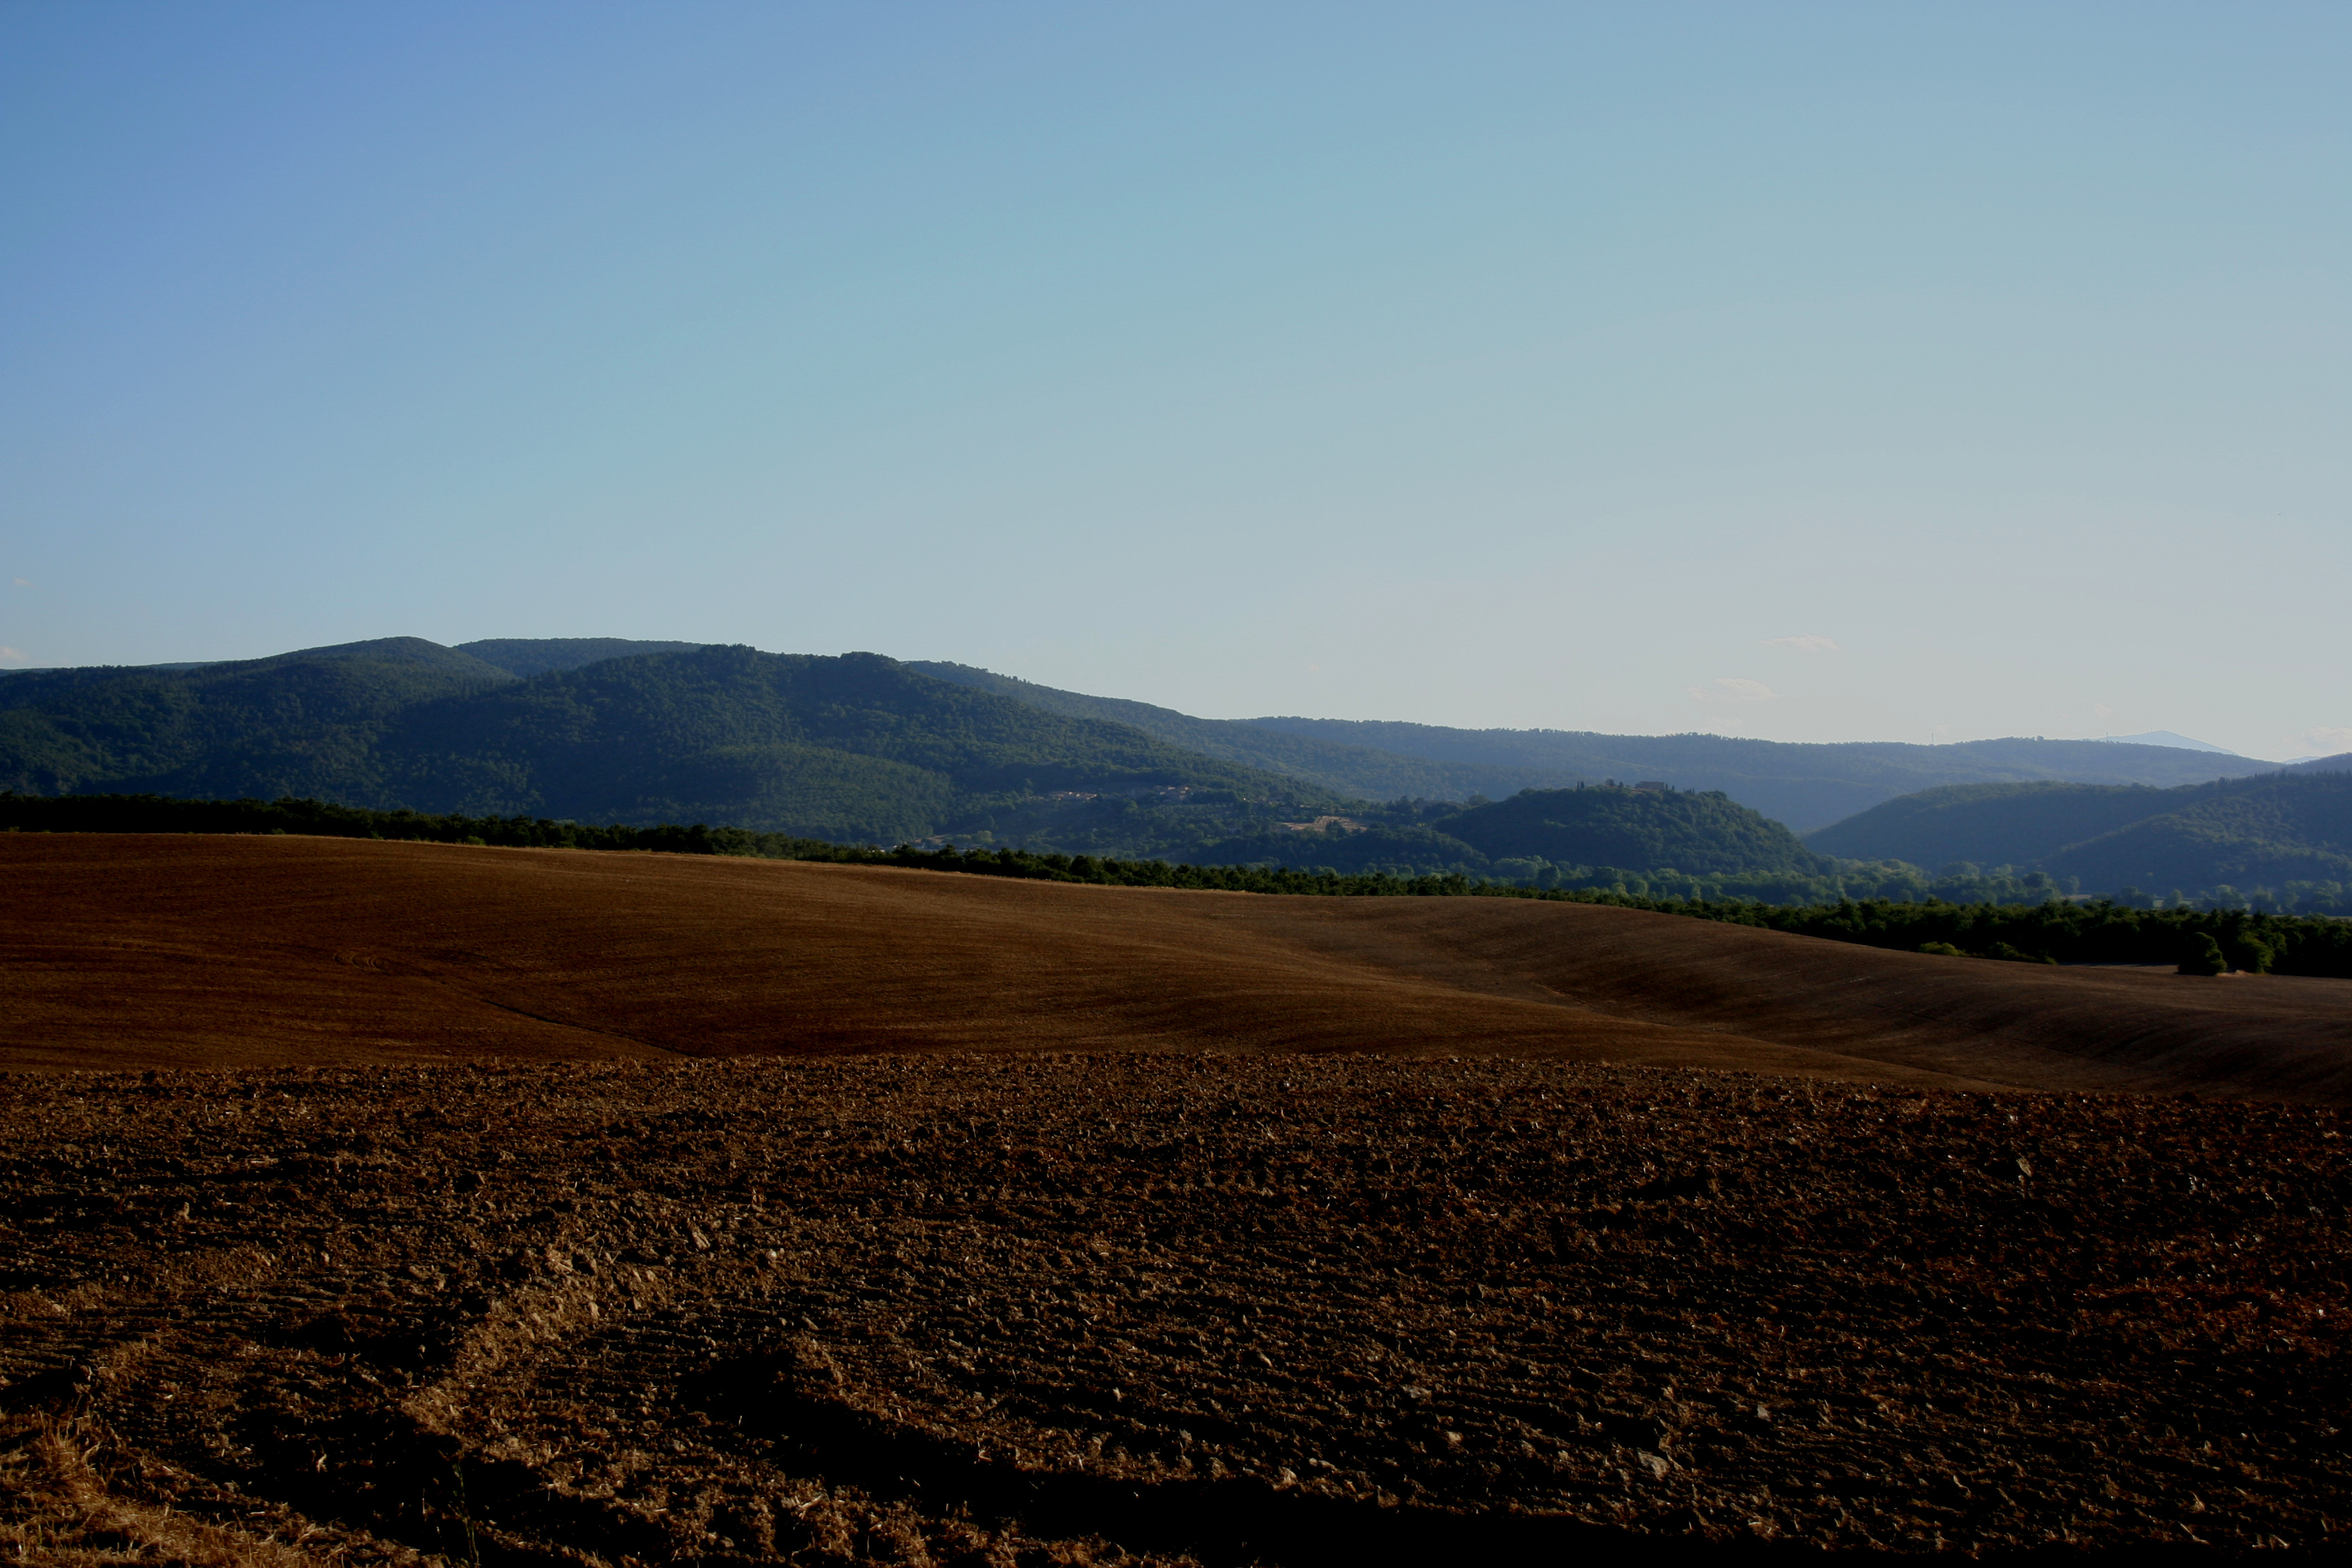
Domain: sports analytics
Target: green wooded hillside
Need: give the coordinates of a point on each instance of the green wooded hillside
(858, 747)
(1989, 824)
(1640, 829)
(1805, 785)
(865, 749)
(2280, 832)
(2281, 839)
(304, 723)
(1361, 773)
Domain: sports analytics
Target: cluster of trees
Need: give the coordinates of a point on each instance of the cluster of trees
(1842, 879)
(2060, 931)
(2291, 898)
(2053, 931)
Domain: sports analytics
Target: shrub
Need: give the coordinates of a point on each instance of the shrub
(2250, 953)
(2204, 956)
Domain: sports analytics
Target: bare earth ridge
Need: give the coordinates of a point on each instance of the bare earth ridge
(624, 1209)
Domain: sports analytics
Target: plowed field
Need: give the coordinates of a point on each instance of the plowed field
(625, 1209)
(211, 952)
(1117, 1307)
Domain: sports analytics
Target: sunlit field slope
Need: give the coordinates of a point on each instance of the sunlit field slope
(161, 951)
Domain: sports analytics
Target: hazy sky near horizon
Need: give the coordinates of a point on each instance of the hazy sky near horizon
(1810, 371)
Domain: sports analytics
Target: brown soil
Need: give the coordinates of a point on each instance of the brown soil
(1122, 1307)
(175, 951)
(1167, 1227)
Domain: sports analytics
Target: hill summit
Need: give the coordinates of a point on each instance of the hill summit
(1646, 828)
(857, 747)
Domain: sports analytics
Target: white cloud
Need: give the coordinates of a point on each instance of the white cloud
(1732, 689)
(1806, 642)
(11, 655)
(2325, 740)
(24, 582)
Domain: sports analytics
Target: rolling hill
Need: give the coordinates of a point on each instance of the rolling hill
(659, 1210)
(1990, 823)
(1807, 786)
(1644, 830)
(2276, 833)
(2287, 835)
(861, 748)
(1672, 842)
(1351, 771)
(306, 724)
(857, 747)
(165, 951)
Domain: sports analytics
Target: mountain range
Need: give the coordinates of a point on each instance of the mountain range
(1806, 785)
(864, 748)
(854, 747)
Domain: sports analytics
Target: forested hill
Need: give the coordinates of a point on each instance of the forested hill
(302, 723)
(858, 747)
(1990, 823)
(2286, 835)
(1807, 786)
(2289, 833)
(862, 748)
(1704, 833)
(1358, 772)
(1803, 784)
(854, 747)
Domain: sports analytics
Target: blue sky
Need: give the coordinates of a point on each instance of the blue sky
(1809, 372)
